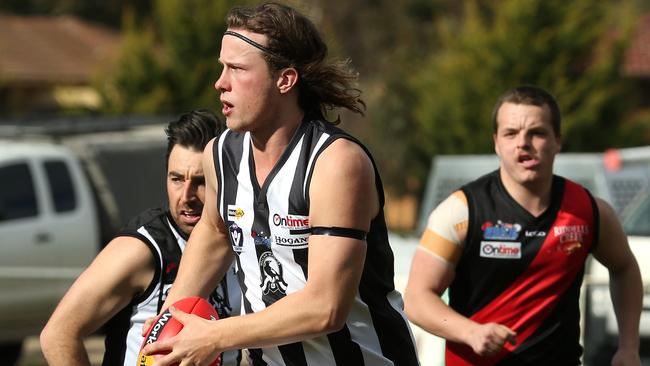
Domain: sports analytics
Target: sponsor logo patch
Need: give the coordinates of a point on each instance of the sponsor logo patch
(500, 250)
(500, 231)
(158, 327)
(291, 222)
(234, 213)
(570, 238)
(298, 241)
(145, 360)
(534, 233)
(573, 233)
(261, 239)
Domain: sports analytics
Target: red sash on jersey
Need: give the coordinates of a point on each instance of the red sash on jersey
(525, 305)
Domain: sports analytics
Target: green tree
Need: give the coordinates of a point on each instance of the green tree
(386, 41)
(137, 84)
(574, 49)
(169, 61)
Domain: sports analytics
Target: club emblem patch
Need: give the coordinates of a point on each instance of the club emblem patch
(271, 275)
(236, 238)
(500, 231)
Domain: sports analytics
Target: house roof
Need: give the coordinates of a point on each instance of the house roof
(637, 56)
(67, 50)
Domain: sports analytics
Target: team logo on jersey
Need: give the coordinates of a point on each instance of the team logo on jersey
(500, 231)
(236, 238)
(234, 213)
(271, 275)
(295, 223)
(570, 238)
(500, 250)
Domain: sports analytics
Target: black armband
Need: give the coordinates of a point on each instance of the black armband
(339, 231)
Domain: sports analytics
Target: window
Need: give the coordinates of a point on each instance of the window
(61, 189)
(17, 195)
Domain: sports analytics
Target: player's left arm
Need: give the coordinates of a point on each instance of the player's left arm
(626, 289)
(342, 194)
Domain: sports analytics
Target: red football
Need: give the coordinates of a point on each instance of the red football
(165, 326)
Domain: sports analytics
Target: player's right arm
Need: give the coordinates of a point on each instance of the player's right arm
(433, 270)
(208, 254)
(122, 270)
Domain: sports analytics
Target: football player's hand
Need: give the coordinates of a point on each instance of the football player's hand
(626, 358)
(489, 339)
(193, 345)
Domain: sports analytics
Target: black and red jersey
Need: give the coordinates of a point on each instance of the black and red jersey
(524, 272)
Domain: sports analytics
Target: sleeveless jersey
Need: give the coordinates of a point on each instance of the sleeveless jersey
(157, 229)
(269, 232)
(524, 272)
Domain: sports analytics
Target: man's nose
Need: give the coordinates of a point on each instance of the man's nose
(523, 140)
(189, 191)
(220, 83)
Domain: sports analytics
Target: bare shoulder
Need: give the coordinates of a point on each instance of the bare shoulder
(128, 259)
(344, 156)
(127, 246)
(610, 227)
(604, 208)
(208, 163)
(342, 190)
(612, 249)
(208, 154)
(209, 146)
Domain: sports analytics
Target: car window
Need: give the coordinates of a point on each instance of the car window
(17, 194)
(61, 188)
(637, 222)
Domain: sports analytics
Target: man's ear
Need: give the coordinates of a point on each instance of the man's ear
(287, 79)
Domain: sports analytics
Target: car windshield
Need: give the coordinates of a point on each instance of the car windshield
(637, 221)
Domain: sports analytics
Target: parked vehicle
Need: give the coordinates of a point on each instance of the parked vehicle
(66, 187)
(49, 232)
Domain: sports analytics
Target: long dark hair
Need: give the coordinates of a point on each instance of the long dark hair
(294, 41)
